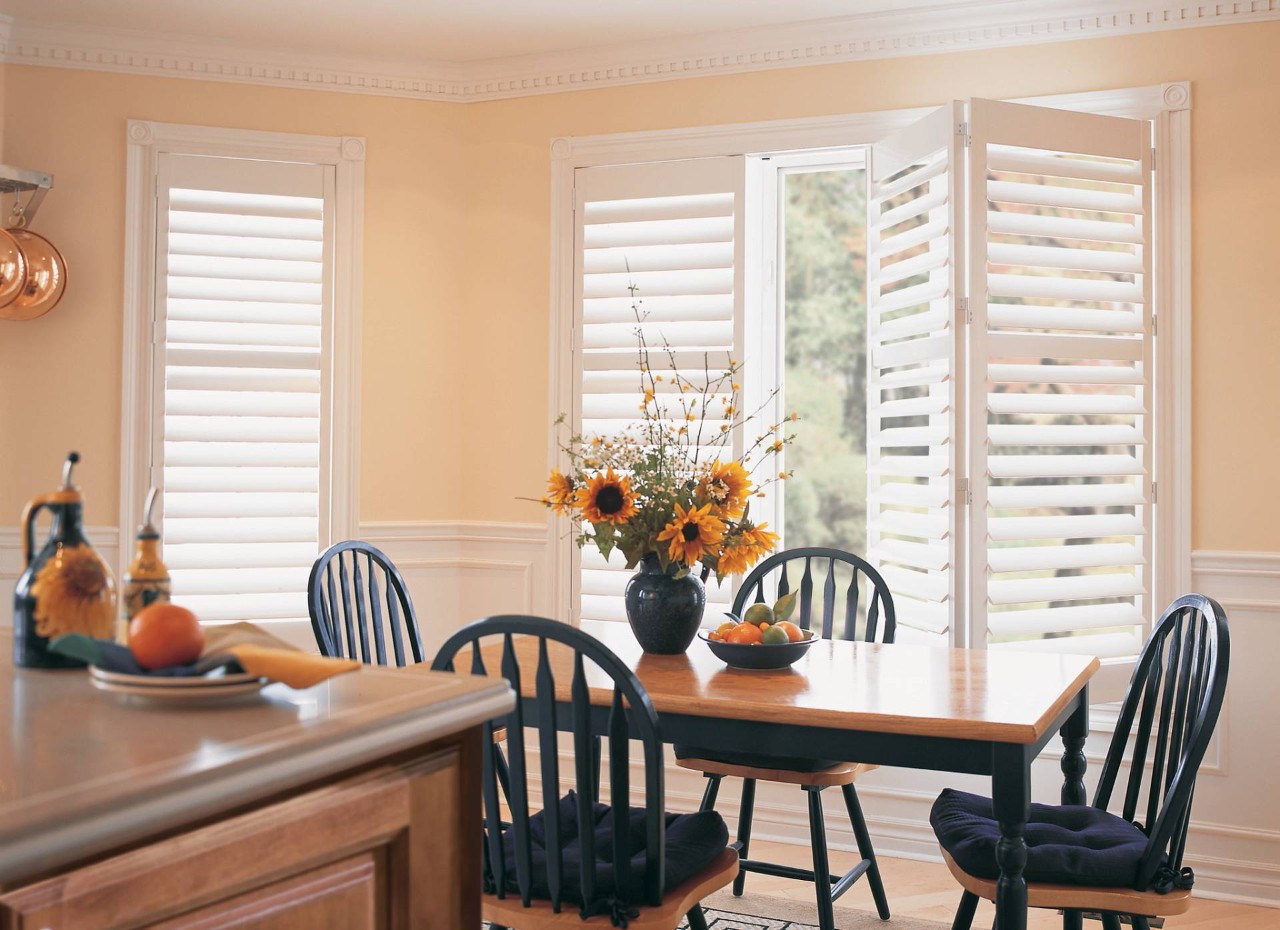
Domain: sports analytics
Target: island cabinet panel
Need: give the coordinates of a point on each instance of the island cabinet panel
(392, 849)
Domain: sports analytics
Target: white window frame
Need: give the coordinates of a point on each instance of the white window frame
(147, 141)
(1168, 106)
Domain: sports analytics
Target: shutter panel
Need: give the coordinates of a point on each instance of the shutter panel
(243, 266)
(673, 232)
(1061, 376)
(913, 279)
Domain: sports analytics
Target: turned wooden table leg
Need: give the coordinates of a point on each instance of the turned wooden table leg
(1011, 799)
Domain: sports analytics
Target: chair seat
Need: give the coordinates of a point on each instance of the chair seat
(1066, 844)
(1082, 897)
(677, 902)
(841, 773)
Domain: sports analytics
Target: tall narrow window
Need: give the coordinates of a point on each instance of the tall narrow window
(246, 380)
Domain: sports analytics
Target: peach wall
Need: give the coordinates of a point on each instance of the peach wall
(1236, 132)
(455, 379)
(60, 375)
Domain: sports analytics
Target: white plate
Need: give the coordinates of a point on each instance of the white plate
(184, 696)
(170, 682)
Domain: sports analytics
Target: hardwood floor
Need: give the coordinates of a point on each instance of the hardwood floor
(926, 890)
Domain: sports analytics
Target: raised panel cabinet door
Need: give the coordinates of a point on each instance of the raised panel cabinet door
(397, 847)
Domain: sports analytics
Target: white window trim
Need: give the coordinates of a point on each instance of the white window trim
(1167, 105)
(146, 142)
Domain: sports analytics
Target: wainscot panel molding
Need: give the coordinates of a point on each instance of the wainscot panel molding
(458, 571)
(977, 25)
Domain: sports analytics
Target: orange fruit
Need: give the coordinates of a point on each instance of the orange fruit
(164, 634)
(794, 633)
(743, 633)
(723, 629)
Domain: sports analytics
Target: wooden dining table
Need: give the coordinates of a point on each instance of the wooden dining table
(982, 712)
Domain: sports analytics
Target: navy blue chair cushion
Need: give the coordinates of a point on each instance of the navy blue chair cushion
(1066, 845)
(693, 843)
(755, 760)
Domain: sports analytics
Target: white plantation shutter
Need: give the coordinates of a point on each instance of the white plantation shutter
(913, 277)
(1060, 379)
(1020, 376)
(673, 230)
(243, 265)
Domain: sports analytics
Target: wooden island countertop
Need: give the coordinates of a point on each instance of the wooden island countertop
(84, 772)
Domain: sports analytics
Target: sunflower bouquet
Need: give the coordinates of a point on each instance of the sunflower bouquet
(668, 487)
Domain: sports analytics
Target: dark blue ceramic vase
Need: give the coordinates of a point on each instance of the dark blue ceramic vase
(664, 611)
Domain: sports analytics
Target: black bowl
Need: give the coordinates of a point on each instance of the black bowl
(751, 655)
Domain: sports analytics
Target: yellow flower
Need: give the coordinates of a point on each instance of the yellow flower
(606, 498)
(726, 485)
(777, 446)
(648, 395)
(761, 537)
(692, 534)
(735, 560)
(559, 492)
(782, 475)
(74, 593)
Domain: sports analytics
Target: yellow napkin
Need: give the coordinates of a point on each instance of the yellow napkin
(295, 669)
(267, 656)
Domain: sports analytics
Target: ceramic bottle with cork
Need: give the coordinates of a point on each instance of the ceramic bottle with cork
(146, 580)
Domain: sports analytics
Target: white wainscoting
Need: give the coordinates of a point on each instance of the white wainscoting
(461, 571)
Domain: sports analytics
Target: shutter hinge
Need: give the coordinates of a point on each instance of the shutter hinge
(1155, 496)
(962, 309)
(963, 494)
(962, 130)
(1154, 327)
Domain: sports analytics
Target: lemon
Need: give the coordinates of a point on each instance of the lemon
(774, 636)
(758, 614)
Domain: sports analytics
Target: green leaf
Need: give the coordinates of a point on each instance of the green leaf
(681, 572)
(604, 538)
(732, 616)
(785, 606)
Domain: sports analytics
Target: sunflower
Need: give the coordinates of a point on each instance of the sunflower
(560, 493)
(726, 485)
(761, 537)
(74, 593)
(738, 557)
(692, 533)
(606, 498)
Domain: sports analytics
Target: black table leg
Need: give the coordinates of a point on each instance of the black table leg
(1011, 799)
(1073, 762)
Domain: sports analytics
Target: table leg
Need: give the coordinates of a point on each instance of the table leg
(1011, 800)
(1074, 732)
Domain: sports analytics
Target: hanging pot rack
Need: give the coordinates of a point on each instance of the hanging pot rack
(18, 181)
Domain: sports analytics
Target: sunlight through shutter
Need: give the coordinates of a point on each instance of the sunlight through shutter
(242, 272)
(671, 231)
(1060, 278)
(912, 276)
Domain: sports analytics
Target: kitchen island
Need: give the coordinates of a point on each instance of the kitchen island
(351, 804)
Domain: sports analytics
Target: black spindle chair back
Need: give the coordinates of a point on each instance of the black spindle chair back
(630, 716)
(1166, 721)
(821, 571)
(359, 604)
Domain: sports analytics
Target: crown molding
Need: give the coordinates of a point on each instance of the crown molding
(978, 25)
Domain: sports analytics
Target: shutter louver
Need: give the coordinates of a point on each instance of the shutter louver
(242, 261)
(1060, 390)
(911, 403)
(672, 232)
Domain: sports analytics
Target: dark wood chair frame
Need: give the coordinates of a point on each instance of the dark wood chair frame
(630, 716)
(881, 620)
(1175, 697)
(358, 567)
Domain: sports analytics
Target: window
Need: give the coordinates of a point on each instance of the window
(1008, 371)
(241, 431)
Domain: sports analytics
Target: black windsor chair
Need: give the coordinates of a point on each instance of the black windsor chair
(345, 598)
(627, 875)
(877, 623)
(1165, 722)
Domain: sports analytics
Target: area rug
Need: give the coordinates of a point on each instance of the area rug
(763, 912)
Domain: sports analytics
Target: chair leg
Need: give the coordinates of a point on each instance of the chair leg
(1110, 921)
(745, 811)
(821, 867)
(864, 849)
(709, 795)
(1139, 922)
(1072, 920)
(964, 913)
(697, 920)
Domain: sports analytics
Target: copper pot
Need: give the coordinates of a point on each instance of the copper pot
(45, 280)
